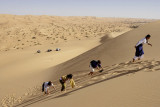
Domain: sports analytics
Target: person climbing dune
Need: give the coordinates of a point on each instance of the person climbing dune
(46, 86)
(139, 48)
(95, 65)
(63, 80)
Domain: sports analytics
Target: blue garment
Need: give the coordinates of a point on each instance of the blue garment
(94, 64)
(139, 50)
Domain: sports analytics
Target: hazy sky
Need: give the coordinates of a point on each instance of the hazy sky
(100, 8)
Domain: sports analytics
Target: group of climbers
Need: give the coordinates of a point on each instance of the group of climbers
(93, 66)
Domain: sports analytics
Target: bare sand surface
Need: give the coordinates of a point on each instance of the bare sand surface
(18, 66)
(126, 85)
(22, 70)
(122, 83)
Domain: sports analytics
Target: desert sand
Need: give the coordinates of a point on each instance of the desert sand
(81, 39)
(18, 32)
(122, 83)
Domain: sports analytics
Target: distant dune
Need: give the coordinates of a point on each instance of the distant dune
(18, 32)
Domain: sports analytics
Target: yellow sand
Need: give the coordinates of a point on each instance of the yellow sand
(22, 70)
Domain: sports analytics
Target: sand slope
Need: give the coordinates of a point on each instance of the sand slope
(114, 51)
(29, 69)
(121, 84)
(126, 85)
(23, 70)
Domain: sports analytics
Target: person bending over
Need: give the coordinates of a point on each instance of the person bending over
(63, 80)
(46, 86)
(95, 65)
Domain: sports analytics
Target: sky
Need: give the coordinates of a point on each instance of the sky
(99, 8)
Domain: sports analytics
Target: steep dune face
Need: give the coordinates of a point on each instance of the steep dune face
(122, 83)
(116, 50)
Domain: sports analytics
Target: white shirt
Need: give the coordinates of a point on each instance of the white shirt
(46, 86)
(142, 41)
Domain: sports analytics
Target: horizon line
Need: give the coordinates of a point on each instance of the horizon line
(78, 16)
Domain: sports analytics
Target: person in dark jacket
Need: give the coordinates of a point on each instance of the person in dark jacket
(95, 65)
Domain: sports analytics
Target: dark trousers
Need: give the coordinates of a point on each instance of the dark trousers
(139, 50)
(63, 85)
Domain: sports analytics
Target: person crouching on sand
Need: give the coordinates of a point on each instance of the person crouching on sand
(95, 65)
(139, 47)
(63, 80)
(46, 86)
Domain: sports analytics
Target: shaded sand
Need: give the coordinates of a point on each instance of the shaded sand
(122, 83)
(23, 70)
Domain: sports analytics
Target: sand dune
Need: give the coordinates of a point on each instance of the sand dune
(23, 71)
(122, 83)
(120, 49)
(125, 84)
